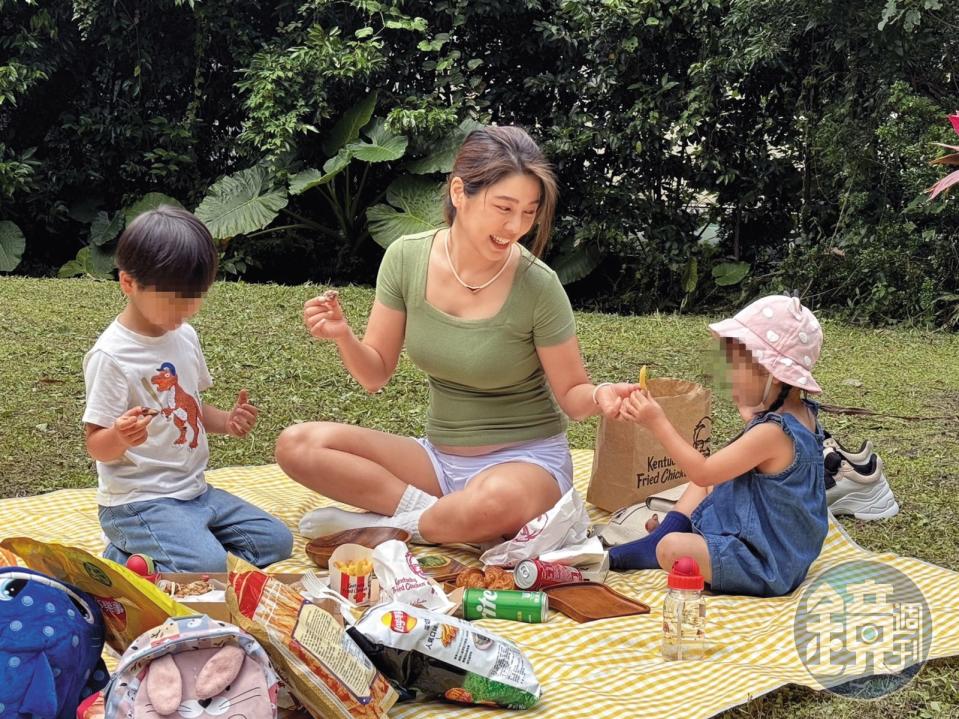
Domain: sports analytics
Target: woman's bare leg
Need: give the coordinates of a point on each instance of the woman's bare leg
(362, 467)
(494, 505)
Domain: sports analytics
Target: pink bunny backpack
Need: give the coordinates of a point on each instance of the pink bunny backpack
(193, 668)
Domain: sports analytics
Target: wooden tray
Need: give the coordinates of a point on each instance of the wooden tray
(320, 549)
(589, 601)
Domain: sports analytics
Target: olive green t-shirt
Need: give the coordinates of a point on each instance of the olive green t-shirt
(487, 385)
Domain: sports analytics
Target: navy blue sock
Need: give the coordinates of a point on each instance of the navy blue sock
(641, 553)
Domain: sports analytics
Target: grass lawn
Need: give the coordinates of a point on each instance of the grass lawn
(253, 337)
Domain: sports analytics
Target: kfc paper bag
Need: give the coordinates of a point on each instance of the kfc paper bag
(630, 464)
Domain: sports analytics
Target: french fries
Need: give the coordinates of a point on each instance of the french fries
(355, 568)
(643, 376)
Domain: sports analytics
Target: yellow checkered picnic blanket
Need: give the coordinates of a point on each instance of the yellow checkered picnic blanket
(599, 670)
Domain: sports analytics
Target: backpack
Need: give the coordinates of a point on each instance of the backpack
(50, 644)
(193, 667)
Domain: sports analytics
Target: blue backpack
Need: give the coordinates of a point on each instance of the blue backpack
(51, 637)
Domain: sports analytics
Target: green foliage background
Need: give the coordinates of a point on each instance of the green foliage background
(707, 149)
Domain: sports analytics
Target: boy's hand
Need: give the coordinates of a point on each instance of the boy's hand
(242, 417)
(131, 426)
(640, 407)
(324, 318)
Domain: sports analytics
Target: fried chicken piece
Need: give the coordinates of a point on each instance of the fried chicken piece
(470, 578)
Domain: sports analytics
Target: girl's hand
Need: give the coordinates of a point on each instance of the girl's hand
(611, 397)
(640, 407)
(242, 417)
(324, 318)
(131, 426)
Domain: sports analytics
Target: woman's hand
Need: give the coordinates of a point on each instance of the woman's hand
(610, 398)
(324, 318)
(640, 407)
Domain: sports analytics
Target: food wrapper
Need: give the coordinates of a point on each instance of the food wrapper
(321, 665)
(355, 587)
(130, 604)
(440, 656)
(563, 526)
(8, 558)
(402, 578)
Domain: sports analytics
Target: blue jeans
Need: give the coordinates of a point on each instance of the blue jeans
(195, 535)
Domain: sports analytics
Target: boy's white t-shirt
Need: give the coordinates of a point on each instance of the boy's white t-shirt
(124, 370)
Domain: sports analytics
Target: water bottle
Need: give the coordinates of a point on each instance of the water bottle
(684, 612)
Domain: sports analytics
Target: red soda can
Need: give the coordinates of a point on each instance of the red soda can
(532, 574)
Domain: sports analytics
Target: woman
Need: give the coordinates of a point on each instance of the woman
(491, 325)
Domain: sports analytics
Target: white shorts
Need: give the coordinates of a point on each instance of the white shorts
(454, 472)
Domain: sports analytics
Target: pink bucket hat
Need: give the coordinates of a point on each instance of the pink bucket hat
(781, 335)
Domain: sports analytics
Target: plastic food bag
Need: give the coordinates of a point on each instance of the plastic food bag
(562, 527)
(440, 656)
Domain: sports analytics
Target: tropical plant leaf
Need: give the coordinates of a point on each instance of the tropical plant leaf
(730, 273)
(308, 179)
(83, 265)
(12, 245)
(442, 156)
(102, 261)
(952, 159)
(347, 129)
(383, 145)
(577, 263)
(419, 209)
(944, 184)
(149, 201)
(241, 203)
(104, 229)
(690, 275)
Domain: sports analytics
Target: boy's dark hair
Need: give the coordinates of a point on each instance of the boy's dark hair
(170, 250)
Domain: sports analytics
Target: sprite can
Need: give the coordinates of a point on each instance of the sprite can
(531, 607)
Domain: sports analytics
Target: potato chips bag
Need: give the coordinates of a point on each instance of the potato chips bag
(440, 656)
(322, 666)
(130, 604)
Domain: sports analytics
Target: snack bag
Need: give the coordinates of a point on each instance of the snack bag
(320, 664)
(130, 604)
(402, 578)
(440, 656)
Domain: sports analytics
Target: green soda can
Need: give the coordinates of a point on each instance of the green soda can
(530, 607)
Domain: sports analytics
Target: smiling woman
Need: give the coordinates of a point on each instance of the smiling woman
(491, 326)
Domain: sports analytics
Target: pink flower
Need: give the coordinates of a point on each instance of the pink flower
(954, 119)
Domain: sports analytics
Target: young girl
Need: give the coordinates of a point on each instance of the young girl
(754, 516)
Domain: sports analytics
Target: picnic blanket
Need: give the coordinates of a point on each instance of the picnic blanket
(608, 669)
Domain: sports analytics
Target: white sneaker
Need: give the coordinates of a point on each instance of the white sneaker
(860, 456)
(860, 490)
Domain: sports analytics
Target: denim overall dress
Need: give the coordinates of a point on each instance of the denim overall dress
(764, 530)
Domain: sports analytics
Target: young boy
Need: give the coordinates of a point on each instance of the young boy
(145, 423)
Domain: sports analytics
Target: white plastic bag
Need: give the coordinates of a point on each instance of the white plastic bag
(564, 526)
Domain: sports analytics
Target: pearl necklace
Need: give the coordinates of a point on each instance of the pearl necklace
(473, 288)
